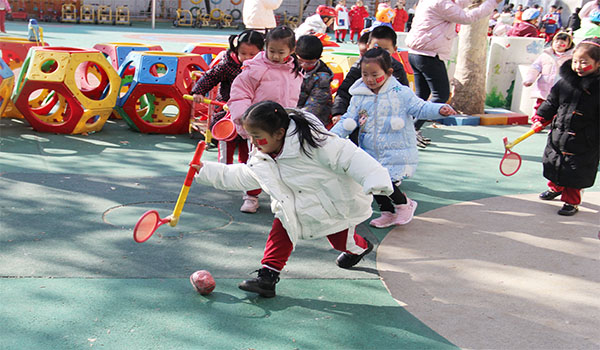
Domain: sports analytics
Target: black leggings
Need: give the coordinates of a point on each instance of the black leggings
(431, 79)
(386, 203)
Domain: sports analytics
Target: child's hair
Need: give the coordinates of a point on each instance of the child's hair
(566, 37)
(591, 47)
(309, 47)
(364, 38)
(286, 34)
(379, 56)
(383, 32)
(271, 116)
(248, 36)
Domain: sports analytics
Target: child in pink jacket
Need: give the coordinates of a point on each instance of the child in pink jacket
(544, 70)
(272, 75)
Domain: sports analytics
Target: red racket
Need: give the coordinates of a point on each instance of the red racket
(150, 220)
(511, 162)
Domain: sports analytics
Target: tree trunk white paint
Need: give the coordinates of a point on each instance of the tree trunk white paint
(468, 84)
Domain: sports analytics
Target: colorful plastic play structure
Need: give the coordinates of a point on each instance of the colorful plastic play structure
(152, 101)
(14, 51)
(7, 83)
(66, 90)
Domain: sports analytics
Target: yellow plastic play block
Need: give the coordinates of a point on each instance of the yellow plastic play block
(492, 119)
(48, 66)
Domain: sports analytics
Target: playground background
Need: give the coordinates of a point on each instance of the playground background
(72, 276)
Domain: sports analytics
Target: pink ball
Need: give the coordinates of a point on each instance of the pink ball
(203, 282)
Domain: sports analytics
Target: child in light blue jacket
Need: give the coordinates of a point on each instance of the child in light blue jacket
(384, 111)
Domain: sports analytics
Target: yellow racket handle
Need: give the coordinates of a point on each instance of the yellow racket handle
(179, 205)
(519, 139)
(207, 101)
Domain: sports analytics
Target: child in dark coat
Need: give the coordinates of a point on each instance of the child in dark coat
(572, 152)
(315, 93)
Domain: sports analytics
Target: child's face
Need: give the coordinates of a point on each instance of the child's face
(265, 142)
(583, 64)
(307, 65)
(374, 76)
(385, 44)
(246, 51)
(278, 51)
(559, 45)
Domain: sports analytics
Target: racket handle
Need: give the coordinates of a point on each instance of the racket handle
(195, 161)
(207, 101)
(519, 139)
(185, 189)
(179, 205)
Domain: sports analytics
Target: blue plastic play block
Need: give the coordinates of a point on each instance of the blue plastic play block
(460, 120)
(123, 51)
(151, 68)
(5, 71)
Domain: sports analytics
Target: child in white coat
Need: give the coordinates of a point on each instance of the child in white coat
(320, 186)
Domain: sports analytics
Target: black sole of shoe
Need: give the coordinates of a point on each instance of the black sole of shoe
(262, 292)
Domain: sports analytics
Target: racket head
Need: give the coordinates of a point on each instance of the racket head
(510, 163)
(146, 225)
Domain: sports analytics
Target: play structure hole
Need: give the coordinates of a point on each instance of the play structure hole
(49, 106)
(49, 66)
(92, 80)
(158, 70)
(157, 109)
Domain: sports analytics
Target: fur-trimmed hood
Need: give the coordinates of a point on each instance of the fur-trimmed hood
(589, 84)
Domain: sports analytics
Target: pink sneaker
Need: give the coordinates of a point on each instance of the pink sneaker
(386, 219)
(405, 212)
(250, 204)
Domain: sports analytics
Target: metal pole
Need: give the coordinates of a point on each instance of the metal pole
(153, 14)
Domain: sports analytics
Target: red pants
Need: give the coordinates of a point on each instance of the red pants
(2, 20)
(355, 31)
(341, 32)
(569, 195)
(279, 247)
(227, 150)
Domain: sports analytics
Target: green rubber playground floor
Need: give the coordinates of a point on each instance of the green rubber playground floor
(71, 276)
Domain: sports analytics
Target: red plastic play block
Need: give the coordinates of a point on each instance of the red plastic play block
(518, 119)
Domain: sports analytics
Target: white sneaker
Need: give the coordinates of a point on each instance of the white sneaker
(386, 219)
(250, 204)
(405, 212)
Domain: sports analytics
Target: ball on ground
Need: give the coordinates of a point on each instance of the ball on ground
(203, 282)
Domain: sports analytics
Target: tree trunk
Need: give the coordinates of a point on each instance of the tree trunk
(468, 84)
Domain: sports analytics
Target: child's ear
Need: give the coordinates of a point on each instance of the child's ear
(390, 71)
(279, 134)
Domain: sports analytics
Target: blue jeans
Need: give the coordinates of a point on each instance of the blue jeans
(431, 78)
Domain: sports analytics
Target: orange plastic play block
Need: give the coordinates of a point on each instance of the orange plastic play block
(492, 119)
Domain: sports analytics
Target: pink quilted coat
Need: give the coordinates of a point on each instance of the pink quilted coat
(434, 25)
(263, 80)
(545, 70)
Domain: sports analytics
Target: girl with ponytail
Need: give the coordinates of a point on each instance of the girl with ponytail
(320, 186)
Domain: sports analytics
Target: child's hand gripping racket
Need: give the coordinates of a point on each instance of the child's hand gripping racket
(150, 220)
(511, 162)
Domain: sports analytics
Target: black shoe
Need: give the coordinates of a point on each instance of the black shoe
(264, 284)
(549, 195)
(347, 260)
(422, 141)
(568, 210)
